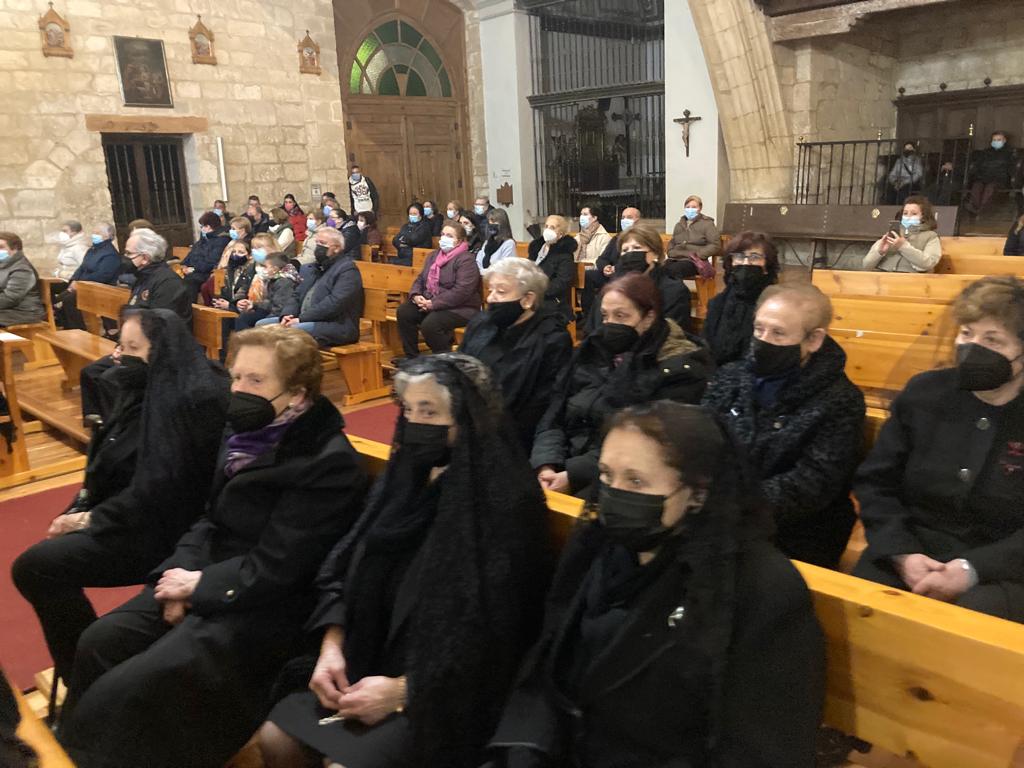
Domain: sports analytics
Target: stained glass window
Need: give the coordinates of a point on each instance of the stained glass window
(396, 60)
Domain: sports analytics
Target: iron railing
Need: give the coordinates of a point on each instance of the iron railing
(857, 172)
(599, 109)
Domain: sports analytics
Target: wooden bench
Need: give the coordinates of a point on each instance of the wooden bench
(885, 362)
(890, 314)
(38, 354)
(207, 327)
(980, 264)
(37, 735)
(912, 675)
(76, 349)
(905, 284)
(980, 246)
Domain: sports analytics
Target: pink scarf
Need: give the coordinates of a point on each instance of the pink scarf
(442, 258)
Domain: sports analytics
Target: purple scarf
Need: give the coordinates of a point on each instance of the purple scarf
(442, 258)
(245, 447)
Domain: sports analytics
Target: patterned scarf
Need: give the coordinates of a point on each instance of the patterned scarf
(586, 234)
(245, 447)
(442, 258)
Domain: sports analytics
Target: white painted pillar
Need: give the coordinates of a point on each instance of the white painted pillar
(508, 118)
(688, 86)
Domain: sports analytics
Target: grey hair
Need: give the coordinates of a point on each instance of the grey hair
(74, 225)
(107, 229)
(331, 234)
(403, 379)
(151, 244)
(527, 274)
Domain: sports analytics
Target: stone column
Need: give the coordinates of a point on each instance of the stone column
(505, 48)
(688, 86)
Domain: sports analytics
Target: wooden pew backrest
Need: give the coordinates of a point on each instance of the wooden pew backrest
(980, 264)
(980, 246)
(921, 286)
(96, 301)
(891, 314)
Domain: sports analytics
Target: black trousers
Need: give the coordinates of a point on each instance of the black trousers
(68, 315)
(193, 283)
(593, 281)
(437, 328)
(51, 575)
(97, 395)
(1004, 599)
(680, 269)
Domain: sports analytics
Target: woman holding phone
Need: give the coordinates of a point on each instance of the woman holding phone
(911, 244)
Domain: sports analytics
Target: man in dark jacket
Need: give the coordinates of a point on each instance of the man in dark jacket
(257, 216)
(205, 253)
(101, 264)
(329, 301)
(991, 170)
(157, 286)
(801, 419)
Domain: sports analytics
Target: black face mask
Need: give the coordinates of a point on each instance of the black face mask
(774, 359)
(128, 266)
(132, 372)
(320, 253)
(248, 412)
(491, 230)
(633, 519)
(237, 259)
(617, 338)
(978, 368)
(426, 444)
(749, 278)
(632, 261)
(908, 152)
(505, 313)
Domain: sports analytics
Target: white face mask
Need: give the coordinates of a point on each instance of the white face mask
(550, 235)
(63, 237)
(274, 227)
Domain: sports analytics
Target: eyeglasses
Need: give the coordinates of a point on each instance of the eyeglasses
(745, 259)
(133, 254)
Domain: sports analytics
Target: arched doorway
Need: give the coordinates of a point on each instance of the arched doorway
(404, 100)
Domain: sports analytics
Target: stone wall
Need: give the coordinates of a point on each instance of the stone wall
(281, 130)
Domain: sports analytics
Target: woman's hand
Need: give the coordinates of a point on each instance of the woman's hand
(177, 584)
(188, 270)
(243, 305)
(62, 524)
(913, 568)
(329, 680)
(550, 480)
(220, 303)
(372, 699)
(947, 583)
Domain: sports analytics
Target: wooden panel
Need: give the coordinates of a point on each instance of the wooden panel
(433, 146)
(13, 456)
(145, 124)
(973, 246)
(850, 282)
(892, 315)
(377, 142)
(207, 327)
(887, 361)
(386, 277)
(963, 264)
(37, 735)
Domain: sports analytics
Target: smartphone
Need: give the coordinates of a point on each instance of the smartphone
(894, 228)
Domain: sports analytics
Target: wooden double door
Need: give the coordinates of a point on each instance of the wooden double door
(412, 148)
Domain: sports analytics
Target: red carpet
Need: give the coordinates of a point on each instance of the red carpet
(22, 649)
(377, 423)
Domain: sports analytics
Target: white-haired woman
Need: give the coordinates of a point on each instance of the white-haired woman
(524, 343)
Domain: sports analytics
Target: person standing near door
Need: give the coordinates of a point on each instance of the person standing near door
(362, 192)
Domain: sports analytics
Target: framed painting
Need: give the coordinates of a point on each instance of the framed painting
(142, 72)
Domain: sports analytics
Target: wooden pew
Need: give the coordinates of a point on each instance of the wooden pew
(38, 353)
(37, 735)
(923, 286)
(97, 302)
(180, 252)
(887, 361)
(360, 363)
(13, 456)
(912, 675)
(980, 264)
(207, 327)
(419, 258)
(980, 246)
(891, 314)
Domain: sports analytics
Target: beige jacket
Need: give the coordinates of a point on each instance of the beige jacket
(700, 237)
(920, 253)
(598, 242)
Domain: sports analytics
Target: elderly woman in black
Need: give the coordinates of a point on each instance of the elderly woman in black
(942, 491)
(417, 232)
(636, 356)
(150, 466)
(181, 674)
(751, 264)
(675, 634)
(553, 253)
(524, 344)
(426, 609)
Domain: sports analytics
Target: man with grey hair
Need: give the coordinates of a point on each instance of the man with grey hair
(157, 286)
(101, 263)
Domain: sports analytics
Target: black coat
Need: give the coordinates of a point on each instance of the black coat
(993, 166)
(157, 286)
(336, 301)
(205, 253)
(665, 365)
(418, 235)
(946, 478)
(729, 325)
(675, 301)
(644, 700)
(805, 447)
(560, 267)
(101, 264)
(1014, 241)
(526, 360)
(261, 225)
(237, 281)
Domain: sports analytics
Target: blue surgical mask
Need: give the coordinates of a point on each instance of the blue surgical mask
(428, 211)
(910, 221)
(584, 222)
(451, 214)
(691, 213)
(446, 243)
(96, 239)
(479, 210)
(5, 255)
(356, 178)
(233, 234)
(625, 224)
(327, 210)
(259, 255)
(996, 144)
(310, 224)
(414, 218)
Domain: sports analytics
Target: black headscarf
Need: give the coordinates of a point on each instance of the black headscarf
(733, 327)
(484, 567)
(182, 422)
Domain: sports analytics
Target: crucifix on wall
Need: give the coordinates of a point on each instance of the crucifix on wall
(685, 121)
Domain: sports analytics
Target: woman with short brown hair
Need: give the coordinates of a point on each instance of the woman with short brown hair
(20, 299)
